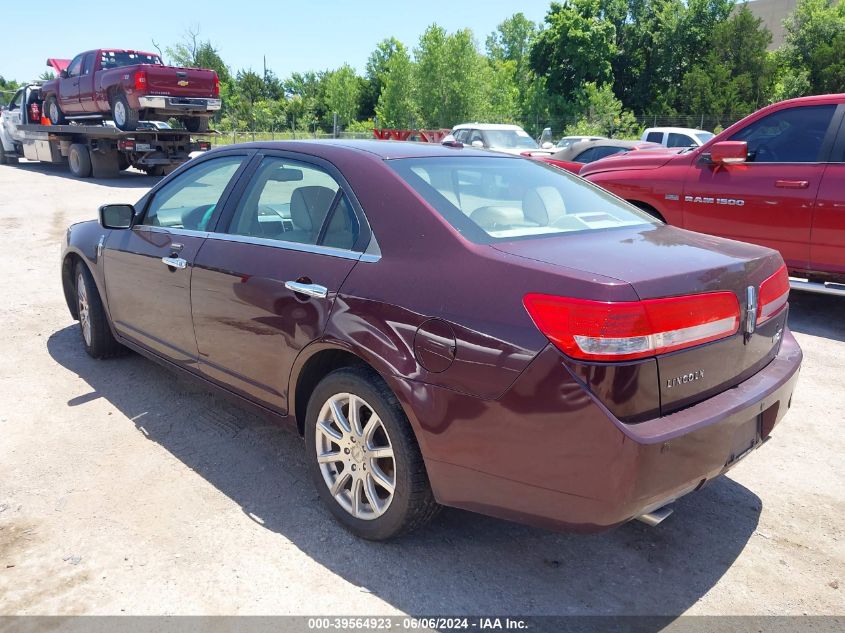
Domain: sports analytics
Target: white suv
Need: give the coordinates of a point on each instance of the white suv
(677, 136)
(510, 139)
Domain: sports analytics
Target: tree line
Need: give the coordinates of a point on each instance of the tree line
(591, 67)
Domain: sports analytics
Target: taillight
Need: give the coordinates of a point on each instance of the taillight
(126, 145)
(625, 330)
(215, 90)
(773, 295)
(140, 80)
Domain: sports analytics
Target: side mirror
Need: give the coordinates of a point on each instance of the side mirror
(729, 152)
(63, 74)
(477, 143)
(117, 216)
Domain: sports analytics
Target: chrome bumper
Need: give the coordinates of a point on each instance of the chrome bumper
(180, 103)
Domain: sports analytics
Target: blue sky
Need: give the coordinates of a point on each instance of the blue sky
(295, 36)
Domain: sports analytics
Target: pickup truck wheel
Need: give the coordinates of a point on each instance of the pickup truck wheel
(124, 117)
(54, 112)
(79, 160)
(93, 324)
(122, 162)
(196, 123)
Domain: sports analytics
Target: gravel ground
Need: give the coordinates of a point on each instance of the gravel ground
(124, 489)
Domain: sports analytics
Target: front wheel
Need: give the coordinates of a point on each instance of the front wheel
(54, 112)
(93, 324)
(124, 117)
(364, 458)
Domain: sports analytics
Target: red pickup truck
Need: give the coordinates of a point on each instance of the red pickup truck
(130, 86)
(776, 178)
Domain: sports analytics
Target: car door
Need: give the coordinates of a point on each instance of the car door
(148, 268)
(827, 240)
(86, 84)
(14, 116)
(265, 280)
(69, 87)
(768, 199)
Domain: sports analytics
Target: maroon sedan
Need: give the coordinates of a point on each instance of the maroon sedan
(447, 326)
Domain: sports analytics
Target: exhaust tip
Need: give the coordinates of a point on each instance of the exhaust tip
(655, 517)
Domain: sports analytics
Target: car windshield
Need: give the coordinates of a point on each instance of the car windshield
(497, 199)
(510, 139)
(116, 59)
(703, 137)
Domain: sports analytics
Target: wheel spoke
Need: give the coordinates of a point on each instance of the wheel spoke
(340, 482)
(372, 494)
(357, 488)
(381, 479)
(380, 453)
(372, 424)
(355, 415)
(329, 458)
(326, 429)
(337, 414)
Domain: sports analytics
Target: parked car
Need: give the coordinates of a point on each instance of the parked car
(129, 86)
(776, 178)
(676, 136)
(447, 326)
(566, 141)
(576, 155)
(510, 139)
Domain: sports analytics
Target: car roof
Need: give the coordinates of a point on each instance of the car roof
(487, 126)
(385, 150)
(576, 148)
(679, 130)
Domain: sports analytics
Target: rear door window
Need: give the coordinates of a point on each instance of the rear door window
(655, 137)
(793, 135)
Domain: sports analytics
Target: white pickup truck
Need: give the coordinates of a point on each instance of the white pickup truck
(89, 150)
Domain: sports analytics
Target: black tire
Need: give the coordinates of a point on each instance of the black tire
(3, 159)
(79, 160)
(196, 123)
(99, 341)
(124, 117)
(122, 162)
(412, 503)
(54, 112)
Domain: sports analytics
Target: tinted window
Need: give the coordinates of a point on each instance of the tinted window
(116, 59)
(461, 135)
(489, 199)
(595, 153)
(794, 135)
(679, 140)
(290, 201)
(655, 137)
(75, 67)
(188, 201)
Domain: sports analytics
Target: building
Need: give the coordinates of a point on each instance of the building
(773, 13)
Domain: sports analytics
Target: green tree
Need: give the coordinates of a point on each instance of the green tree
(250, 86)
(815, 39)
(397, 106)
(377, 68)
(603, 115)
(342, 91)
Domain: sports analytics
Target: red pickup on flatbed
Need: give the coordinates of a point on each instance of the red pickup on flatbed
(776, 178)
(130, 86)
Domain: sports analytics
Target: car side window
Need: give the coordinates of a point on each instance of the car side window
(476, 136)
(290, 201)
(587, 156)
(88, 65)
(654, 137)
(17, 101)
(461, 136)
(793, 135)
(75, 67)
(189, 200)
(679, 140)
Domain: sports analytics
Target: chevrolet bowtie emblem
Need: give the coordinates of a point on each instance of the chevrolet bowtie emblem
(182, 83)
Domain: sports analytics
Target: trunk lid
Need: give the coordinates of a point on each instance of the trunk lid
(663, 261)
(174, 81)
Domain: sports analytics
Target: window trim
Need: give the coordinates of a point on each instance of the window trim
(81, 58)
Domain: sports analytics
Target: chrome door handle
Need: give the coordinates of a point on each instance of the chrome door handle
(311, 290)
(792, 184)
(175, 262)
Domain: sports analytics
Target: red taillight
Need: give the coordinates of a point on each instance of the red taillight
(126, 145)
(624, 330)
(215, 90)
(204, 146)
(774, 293)
(140, 80)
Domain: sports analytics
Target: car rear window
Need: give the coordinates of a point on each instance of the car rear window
(496, 199)
(117, 59)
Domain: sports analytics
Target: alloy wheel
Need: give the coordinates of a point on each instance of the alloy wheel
(119, 113)
(84, 313)
(355, 456)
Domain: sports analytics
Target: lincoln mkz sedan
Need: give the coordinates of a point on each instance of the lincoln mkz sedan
(448, 326)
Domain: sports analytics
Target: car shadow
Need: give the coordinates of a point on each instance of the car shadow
(129, 179)
(817, 315)
(462, 563)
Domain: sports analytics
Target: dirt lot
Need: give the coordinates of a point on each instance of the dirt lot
(124, 489)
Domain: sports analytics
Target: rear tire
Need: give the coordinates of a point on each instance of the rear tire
(79, 160)
(54, 112)
(124, 117)
(376, 497)
(122, 162)
(93, 324)
(196, 123)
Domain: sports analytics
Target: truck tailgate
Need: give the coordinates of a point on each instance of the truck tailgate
(179, 82)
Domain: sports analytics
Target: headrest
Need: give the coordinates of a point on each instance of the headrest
(543, 205)
(309, 205)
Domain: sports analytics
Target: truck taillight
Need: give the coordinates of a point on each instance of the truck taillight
(626, 330)
(215, 90)
(774, 293)
(126, 145)
(140, 80)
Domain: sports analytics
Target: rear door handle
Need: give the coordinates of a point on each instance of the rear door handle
(311, 290)
(792, 184)
(175, 262)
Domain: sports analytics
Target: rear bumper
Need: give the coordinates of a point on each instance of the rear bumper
(549, 454)
(179, 105)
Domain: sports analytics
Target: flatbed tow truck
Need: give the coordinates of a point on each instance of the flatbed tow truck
(101, 151)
